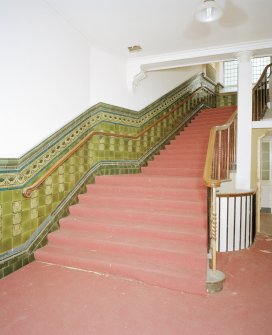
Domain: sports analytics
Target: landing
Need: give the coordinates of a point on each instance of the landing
(44, 299)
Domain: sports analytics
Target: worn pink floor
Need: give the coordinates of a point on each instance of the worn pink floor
(49, 299)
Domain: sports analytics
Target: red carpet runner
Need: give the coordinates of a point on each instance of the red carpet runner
(152, 226)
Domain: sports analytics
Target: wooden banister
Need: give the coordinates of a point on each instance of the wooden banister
(221, 155)
(260, 94)
(211, 173)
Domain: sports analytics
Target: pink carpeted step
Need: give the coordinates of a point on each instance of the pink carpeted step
(184, 148)
(186, 143)
(196, 138)
(181, 149)
(202, 122)
(146, 192)
(190, 281)
(171, 162)
(201, 127)
(194, 218)
(155, 181)
(197, 131)
(200, 157)
(160, 205)
(172, 171)
(181, 253)
(191, 154)
(182, 232)
(202, 119)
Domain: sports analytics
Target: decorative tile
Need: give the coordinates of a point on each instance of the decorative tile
(34, 213)
(17, 206)
(48, 199)
(48, 189)
(16, 229)
(17, 218)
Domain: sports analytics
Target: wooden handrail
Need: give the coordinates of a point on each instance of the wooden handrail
(27, 191)
(207, 175)
(235, 195)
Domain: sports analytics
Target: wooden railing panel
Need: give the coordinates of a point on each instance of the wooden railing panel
(260, 94)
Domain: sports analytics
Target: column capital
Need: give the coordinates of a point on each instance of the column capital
(244, 56)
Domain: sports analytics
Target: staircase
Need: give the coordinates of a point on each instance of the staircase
(150, 227)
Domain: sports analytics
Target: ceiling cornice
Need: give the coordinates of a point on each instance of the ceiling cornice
(139, 65)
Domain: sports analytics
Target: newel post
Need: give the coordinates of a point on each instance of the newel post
(215, 278)
(213, 228)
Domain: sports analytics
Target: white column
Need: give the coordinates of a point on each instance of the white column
(244, 121)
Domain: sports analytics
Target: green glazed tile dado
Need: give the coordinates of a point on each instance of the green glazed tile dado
(23, 218)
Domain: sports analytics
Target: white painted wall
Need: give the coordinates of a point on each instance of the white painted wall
(108, 81)
(44, 74)
(49, 75)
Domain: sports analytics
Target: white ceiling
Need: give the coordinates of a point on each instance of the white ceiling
(163, 26)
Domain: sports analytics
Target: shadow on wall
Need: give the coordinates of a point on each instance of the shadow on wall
(233, 16)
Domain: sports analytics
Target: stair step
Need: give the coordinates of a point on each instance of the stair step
(159, 205)
(146, 192)
(186, 152)
(185, 149)
(171, 162)
(176, 160)
(196, 138)
(213, 119)
(128, 216)
(154, 181)
(182, 253)
(195, 130)
(202, 127)
(173, 232)
(172, 171)
(186, 144)
(185, 156)
(191, 281)
(209, 124)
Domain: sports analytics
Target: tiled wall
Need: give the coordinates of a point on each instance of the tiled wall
(25, 222)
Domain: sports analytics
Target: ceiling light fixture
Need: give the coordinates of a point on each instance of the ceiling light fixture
(209, 11)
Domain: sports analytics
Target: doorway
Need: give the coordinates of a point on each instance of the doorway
(266, 183)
